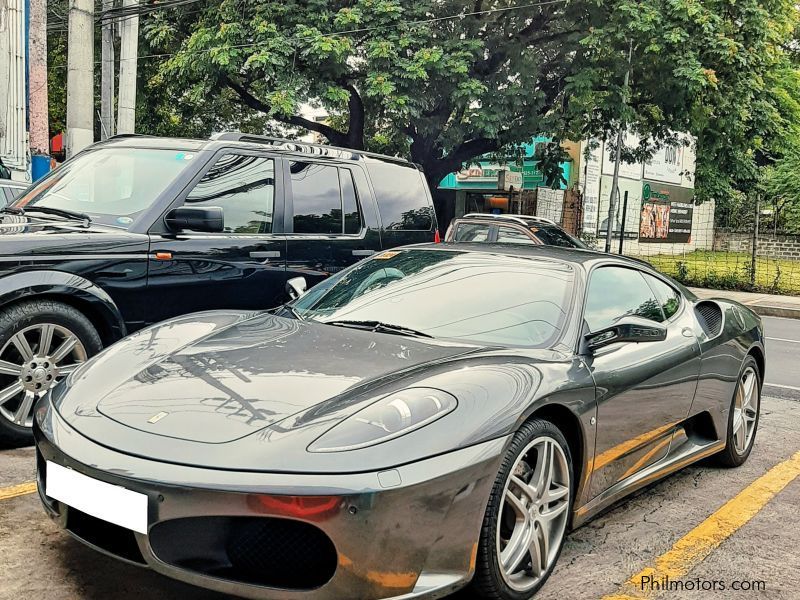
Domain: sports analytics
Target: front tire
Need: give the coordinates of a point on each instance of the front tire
(743, 417)
(526, 519)
(41, 342)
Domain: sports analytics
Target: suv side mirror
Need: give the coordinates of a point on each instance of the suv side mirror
(296, 287)
(208, 219)
(627, 329)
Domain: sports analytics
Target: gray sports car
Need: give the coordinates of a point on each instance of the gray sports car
(432, 417)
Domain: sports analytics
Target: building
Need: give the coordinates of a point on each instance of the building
(13, 89)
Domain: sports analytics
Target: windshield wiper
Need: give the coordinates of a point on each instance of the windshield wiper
(380, 327)
(59, 212)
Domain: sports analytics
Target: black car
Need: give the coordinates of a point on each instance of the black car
(522, 230)
(138, 229)
(9, 190)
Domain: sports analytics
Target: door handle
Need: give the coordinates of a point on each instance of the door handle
(363, 252)
(265, 254)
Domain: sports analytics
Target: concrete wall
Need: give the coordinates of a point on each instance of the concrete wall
(776, 246)
(13, 133)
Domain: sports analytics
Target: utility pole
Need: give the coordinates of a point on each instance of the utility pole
(39, 122)
(620, 134)
(107, 75)
(80, 76)
(128, 58)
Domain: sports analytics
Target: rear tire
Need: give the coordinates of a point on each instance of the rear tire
(41, 341)
(743, 416)
(526, 519)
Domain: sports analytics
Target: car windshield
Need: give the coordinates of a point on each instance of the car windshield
(487, 299)
(110, 185)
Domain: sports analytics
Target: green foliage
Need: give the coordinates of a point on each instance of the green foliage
(399, 76)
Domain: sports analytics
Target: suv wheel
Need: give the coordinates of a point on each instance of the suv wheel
(41, 342)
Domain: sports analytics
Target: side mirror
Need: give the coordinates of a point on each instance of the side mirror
(296, 287)
(627, 329)
(208, 219)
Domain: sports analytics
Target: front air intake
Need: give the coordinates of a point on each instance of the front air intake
(709, 314)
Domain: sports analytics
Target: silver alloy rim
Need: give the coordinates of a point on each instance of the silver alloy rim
(533, 514)
(31, 362)
(745, 410)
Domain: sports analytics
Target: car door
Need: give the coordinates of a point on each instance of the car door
(643, 389)
(331, 219)
(244, 266)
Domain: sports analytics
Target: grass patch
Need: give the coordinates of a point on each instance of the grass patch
(730, 271)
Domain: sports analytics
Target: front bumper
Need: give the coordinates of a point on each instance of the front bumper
(408, 532)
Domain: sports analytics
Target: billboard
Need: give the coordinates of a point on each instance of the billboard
(666, 215)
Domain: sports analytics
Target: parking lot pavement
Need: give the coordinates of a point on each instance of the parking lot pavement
(661, 527)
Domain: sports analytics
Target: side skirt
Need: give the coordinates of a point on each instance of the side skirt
(687, 447)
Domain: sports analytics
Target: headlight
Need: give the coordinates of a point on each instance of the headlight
(390, 417)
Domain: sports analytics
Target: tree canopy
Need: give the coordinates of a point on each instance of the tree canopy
(444, 81)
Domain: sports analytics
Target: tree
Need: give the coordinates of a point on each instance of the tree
(444, 81)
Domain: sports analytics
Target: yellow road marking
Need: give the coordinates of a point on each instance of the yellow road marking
(17, 490)
(696, 545)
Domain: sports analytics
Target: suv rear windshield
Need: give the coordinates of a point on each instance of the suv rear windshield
(402, 197)
(111, 185)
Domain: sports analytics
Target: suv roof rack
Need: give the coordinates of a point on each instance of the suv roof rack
(321, 150)
(515, 218)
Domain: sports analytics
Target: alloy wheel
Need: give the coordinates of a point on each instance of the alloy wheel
(31, 362)
(745, 410)
(533, 514)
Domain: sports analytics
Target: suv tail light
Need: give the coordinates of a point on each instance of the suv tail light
(437, 239)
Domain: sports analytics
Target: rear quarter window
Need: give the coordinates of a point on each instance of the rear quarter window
(402, 196)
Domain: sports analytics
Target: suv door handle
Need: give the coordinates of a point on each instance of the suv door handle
(265, 254)
(363, 252)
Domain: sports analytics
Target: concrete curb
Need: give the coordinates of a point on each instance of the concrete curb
(775, 311)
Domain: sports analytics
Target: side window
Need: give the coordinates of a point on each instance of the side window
(324, 199)
(552, 236)
(616, 292)
(668, 297)
(471, 232)
(244, 186)
(509, 235)
(402, 197)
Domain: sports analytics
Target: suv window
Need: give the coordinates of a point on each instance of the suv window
(509, 235)
(472, 232)
(553, 236)
(244, 186)
(324, 199)
(402, 197)
(668, 296)
(616, 292)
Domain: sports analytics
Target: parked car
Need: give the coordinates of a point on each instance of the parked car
(10, 190)
(509, 229)
(431, 417)
(139, 229)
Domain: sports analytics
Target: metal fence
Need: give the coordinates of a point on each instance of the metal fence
(738, 245)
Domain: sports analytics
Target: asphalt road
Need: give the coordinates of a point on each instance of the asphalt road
(783, 357)
(703, 524)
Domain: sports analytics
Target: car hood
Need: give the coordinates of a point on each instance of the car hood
(218, 376)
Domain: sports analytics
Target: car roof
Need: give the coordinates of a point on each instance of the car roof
(578, 256)
(525, 220)
(248, 141)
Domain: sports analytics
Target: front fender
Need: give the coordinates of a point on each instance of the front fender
(75, 289)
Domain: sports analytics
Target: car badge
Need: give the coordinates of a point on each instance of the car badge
(157, 417)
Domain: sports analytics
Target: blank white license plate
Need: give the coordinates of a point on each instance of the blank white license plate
(108, 502)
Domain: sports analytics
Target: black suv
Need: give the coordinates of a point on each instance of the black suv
(138, 229)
